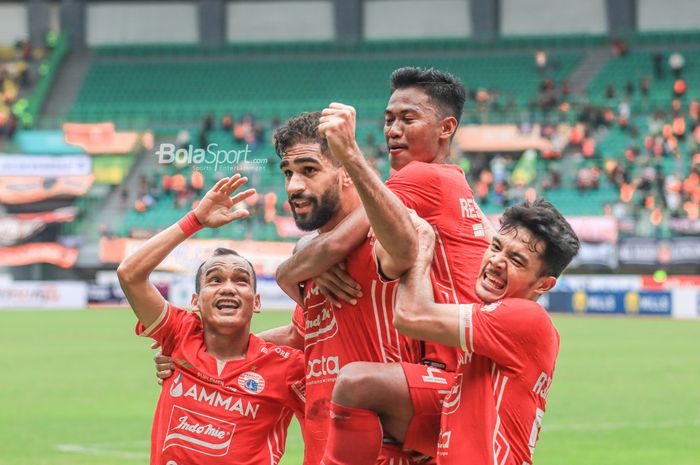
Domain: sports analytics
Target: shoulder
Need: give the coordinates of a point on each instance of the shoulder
(529, 317)
(275, 352)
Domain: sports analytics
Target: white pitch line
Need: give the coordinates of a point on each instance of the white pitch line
(625, 425)
(93, 450)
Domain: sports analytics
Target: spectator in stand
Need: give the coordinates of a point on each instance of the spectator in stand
(679, 88)
(619, 48)
(541, 62)
(644, 87)
(658, 60)
(610, 92)
(196, 182)
(227, 122)
(208, 123)
(676, 62)
(629, 89)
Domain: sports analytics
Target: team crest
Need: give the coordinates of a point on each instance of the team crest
(251, 382)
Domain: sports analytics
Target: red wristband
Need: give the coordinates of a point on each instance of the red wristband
(190, 224)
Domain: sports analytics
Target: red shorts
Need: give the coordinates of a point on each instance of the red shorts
(427, 386)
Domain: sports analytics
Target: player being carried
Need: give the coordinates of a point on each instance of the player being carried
(506, 342)
(232, 395)
(420, 121)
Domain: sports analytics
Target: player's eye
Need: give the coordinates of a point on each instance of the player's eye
(287, 173)
(495, 246)
(309, 170)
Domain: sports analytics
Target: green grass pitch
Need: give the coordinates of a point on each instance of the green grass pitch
(78, 388)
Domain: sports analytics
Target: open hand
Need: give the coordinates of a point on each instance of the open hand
(215, 208)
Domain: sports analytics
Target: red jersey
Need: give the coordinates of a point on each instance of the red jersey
(233, 413)
(440, 194)
(334, 337)
(493, 414)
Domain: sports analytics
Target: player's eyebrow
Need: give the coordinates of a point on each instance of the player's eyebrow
(402, 111)
(300, 160)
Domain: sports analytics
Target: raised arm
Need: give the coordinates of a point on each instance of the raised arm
(416, 314)
(213, 211)
(387, 215)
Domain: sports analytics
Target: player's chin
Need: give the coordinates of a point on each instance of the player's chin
(487, 293)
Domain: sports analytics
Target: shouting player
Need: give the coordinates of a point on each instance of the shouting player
(507, 342)
(232, 395)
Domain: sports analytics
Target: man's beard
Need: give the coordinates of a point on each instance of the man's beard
(321, 212)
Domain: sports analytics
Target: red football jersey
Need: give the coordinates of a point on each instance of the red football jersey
(234, 412)
(334, 337)
(493, 414)
(440, 194)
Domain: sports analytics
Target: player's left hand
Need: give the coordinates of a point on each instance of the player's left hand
(337, 125)
(336, 285)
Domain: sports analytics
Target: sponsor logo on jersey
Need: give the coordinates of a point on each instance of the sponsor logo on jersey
(320, 318)
(323, 366)
(209, 395)
(251, 382)
(198, 432)
(451, 402)
(176, 389)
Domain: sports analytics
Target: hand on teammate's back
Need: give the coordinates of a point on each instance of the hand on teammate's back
(336, 285)
(164, 365)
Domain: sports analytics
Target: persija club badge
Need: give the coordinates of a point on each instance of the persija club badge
(251, 382)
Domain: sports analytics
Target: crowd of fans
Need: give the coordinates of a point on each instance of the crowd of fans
(15, 78)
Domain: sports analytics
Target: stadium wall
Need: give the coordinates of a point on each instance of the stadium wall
(543, 17)
(280, 21)
(13, 23)
(653, 15)
(142, 23)
(415, 19)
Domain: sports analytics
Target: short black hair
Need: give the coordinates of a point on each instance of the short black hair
(444, 89)
(301, 129)
(546, 224)
(218, 252)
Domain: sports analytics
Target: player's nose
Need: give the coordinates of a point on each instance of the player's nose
(295, 185)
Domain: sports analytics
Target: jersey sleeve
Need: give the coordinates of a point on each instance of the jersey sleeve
(167, 328)
(419, 188)
(298, 320)
(506, 331)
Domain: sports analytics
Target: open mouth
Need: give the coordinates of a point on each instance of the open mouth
(493, 282)
(228, 304)
(301, 205)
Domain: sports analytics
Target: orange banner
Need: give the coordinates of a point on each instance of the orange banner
(96, 138)
(38, 252)
(265, 256)
(19, 190)
(500, 138)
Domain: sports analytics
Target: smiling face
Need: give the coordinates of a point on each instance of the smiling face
(313, 186)
(511, 267)
(227, 297)
(414, 129)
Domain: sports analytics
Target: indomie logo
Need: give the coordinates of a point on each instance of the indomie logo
(198, 432)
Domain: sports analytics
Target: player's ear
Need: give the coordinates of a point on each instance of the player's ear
(257, 308)
(545, 284)
(195, 302)
(448, 127)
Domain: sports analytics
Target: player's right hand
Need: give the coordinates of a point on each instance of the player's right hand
(336, 285)
(215, 208)
(426, 236)
(164, 367)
